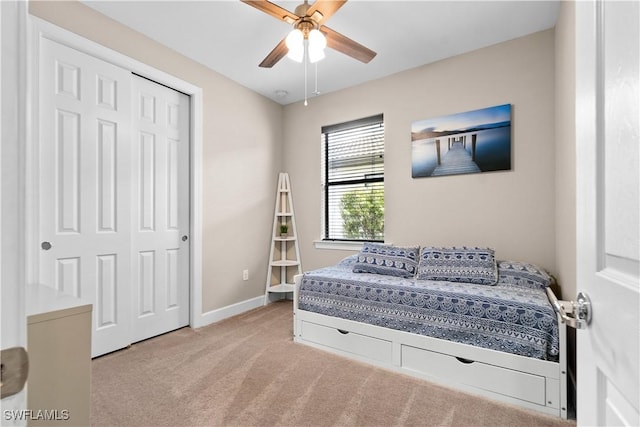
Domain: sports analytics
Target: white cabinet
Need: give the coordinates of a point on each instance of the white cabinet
(59, 348)
(284, 259)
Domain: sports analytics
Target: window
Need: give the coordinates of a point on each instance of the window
(353, 180)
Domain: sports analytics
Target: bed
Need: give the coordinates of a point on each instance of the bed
(455, 316)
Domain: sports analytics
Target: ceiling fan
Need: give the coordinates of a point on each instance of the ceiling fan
(307, 18)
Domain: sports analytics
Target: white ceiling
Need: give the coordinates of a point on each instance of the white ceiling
(232, 38)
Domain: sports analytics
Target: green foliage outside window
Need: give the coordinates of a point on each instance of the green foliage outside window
(363, 214)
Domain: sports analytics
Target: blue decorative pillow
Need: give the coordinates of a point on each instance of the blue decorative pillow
(387, 259)
(523, 274)
(469, 265)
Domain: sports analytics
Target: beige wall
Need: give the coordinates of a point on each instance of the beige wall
(566, 151)
(242, 137)
(512, 211)
(527, 213)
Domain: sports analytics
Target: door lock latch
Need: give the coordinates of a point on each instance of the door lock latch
(576, 314)
(14, 369)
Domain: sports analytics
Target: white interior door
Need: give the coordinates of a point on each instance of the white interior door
(608, 213)
(160, 209)
(85, 175)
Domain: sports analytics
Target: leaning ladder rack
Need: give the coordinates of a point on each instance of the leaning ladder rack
(284, 259)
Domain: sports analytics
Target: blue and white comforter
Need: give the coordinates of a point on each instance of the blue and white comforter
(505, 317)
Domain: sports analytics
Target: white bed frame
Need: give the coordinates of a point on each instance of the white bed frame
(530, 383)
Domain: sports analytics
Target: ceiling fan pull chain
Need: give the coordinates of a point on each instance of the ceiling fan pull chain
(305, 74)
(316, 92)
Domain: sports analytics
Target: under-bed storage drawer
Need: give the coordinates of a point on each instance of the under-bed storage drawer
(362, 345)
(530, 388)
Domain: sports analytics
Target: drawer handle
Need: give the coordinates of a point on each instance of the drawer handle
(342, 331)
(465, 361)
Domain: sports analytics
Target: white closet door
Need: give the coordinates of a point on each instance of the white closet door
(160, 259)
(84, 186)
(114, 195)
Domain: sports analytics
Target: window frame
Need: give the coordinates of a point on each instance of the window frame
(326, 185)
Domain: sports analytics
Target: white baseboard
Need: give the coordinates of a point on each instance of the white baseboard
(225, 312)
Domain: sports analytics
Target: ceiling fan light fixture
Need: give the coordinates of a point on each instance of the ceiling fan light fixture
(317, 44)
(295, 44)
(315, 56)
(307, 18)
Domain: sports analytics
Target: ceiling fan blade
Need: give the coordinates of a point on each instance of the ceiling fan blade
(326, 8)
(343, 44)
(275, 55)
(273, 10)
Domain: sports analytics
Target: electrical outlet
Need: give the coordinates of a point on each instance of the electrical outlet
(245, 274)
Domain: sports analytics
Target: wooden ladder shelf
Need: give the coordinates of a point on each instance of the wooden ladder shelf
(284, 260)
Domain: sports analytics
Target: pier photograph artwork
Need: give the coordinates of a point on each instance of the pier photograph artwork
(470, 142)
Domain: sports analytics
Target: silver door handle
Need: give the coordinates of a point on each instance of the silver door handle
(576, 314)
(14, 370)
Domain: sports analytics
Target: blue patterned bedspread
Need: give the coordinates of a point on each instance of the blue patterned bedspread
(505, 317)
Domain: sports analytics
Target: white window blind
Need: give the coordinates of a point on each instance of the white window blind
(353, 190)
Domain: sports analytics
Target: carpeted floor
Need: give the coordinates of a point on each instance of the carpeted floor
(246, 371)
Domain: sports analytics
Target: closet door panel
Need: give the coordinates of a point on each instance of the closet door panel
(161, 236)
(84, 190)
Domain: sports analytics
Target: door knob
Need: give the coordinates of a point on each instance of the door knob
(576, 314)
(45, 246)
(184, 238)
(583, 309)
(13, 370)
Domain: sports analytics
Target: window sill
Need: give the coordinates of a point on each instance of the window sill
(341, 245)
(338, 245)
